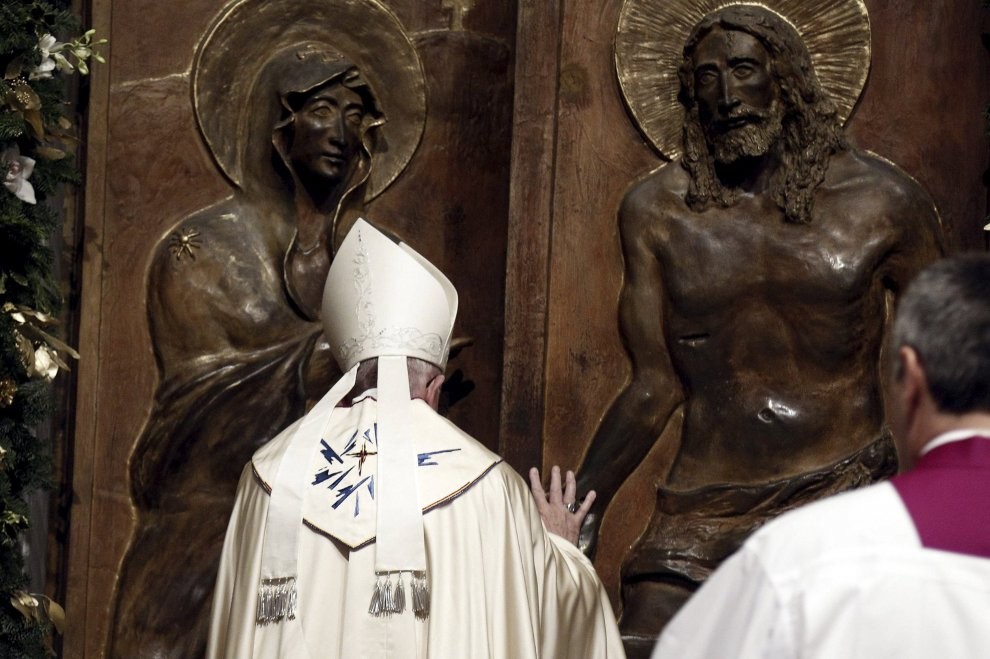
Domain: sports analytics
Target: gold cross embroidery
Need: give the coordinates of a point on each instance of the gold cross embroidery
(362, 455)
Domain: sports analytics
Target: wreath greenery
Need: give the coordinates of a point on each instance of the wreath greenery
(36, 144)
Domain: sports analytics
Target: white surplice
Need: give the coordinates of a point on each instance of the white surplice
(502, 586)
(842, 578)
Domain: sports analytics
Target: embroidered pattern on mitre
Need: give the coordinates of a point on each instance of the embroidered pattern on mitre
(384, 298)
(374, 339)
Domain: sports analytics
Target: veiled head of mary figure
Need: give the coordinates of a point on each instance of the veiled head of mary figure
(323, 114)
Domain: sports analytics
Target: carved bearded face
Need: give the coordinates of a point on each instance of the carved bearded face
(737, 98)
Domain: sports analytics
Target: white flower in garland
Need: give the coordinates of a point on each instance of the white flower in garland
(82, 50)
(44, 365)
(39, 361)
(51, 58)
(16, 171)
(53, 55)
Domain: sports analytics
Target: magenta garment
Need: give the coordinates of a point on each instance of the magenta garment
(948, 496)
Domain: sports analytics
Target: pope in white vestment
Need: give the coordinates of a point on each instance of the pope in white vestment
(502, 586)
(499, 584)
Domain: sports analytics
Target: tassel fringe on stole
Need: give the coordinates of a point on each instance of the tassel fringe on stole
(277, 600)
(389, 596)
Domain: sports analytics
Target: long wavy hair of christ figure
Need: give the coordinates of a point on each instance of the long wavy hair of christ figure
(809, 133)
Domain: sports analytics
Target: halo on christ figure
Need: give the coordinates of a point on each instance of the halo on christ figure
(649, 45)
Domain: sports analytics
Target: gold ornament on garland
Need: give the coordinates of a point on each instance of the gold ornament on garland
(8, 388)
(37, 608)
(40, 351)
(23, 99)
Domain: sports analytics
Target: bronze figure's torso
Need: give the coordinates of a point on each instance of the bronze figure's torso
(760, 267)
(773, 328)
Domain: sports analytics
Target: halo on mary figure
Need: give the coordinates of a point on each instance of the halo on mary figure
(650, 39)
(228, 69)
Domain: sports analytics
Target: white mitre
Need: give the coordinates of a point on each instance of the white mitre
(384, 300)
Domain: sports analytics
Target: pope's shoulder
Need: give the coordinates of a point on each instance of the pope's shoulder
(266, 459)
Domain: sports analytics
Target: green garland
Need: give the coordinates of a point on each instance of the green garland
(35, 158)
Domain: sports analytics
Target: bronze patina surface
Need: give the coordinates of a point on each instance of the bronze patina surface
(759, 267)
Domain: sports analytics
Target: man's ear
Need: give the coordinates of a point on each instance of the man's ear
(433, 391)
(913, 382)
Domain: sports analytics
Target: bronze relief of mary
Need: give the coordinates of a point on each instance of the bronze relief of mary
(310, 109)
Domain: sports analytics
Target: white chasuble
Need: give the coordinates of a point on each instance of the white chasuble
(502, 586)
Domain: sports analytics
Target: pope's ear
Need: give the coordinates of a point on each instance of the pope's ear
(433, 391)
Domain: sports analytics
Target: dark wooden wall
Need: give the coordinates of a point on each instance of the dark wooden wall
(526, 154)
